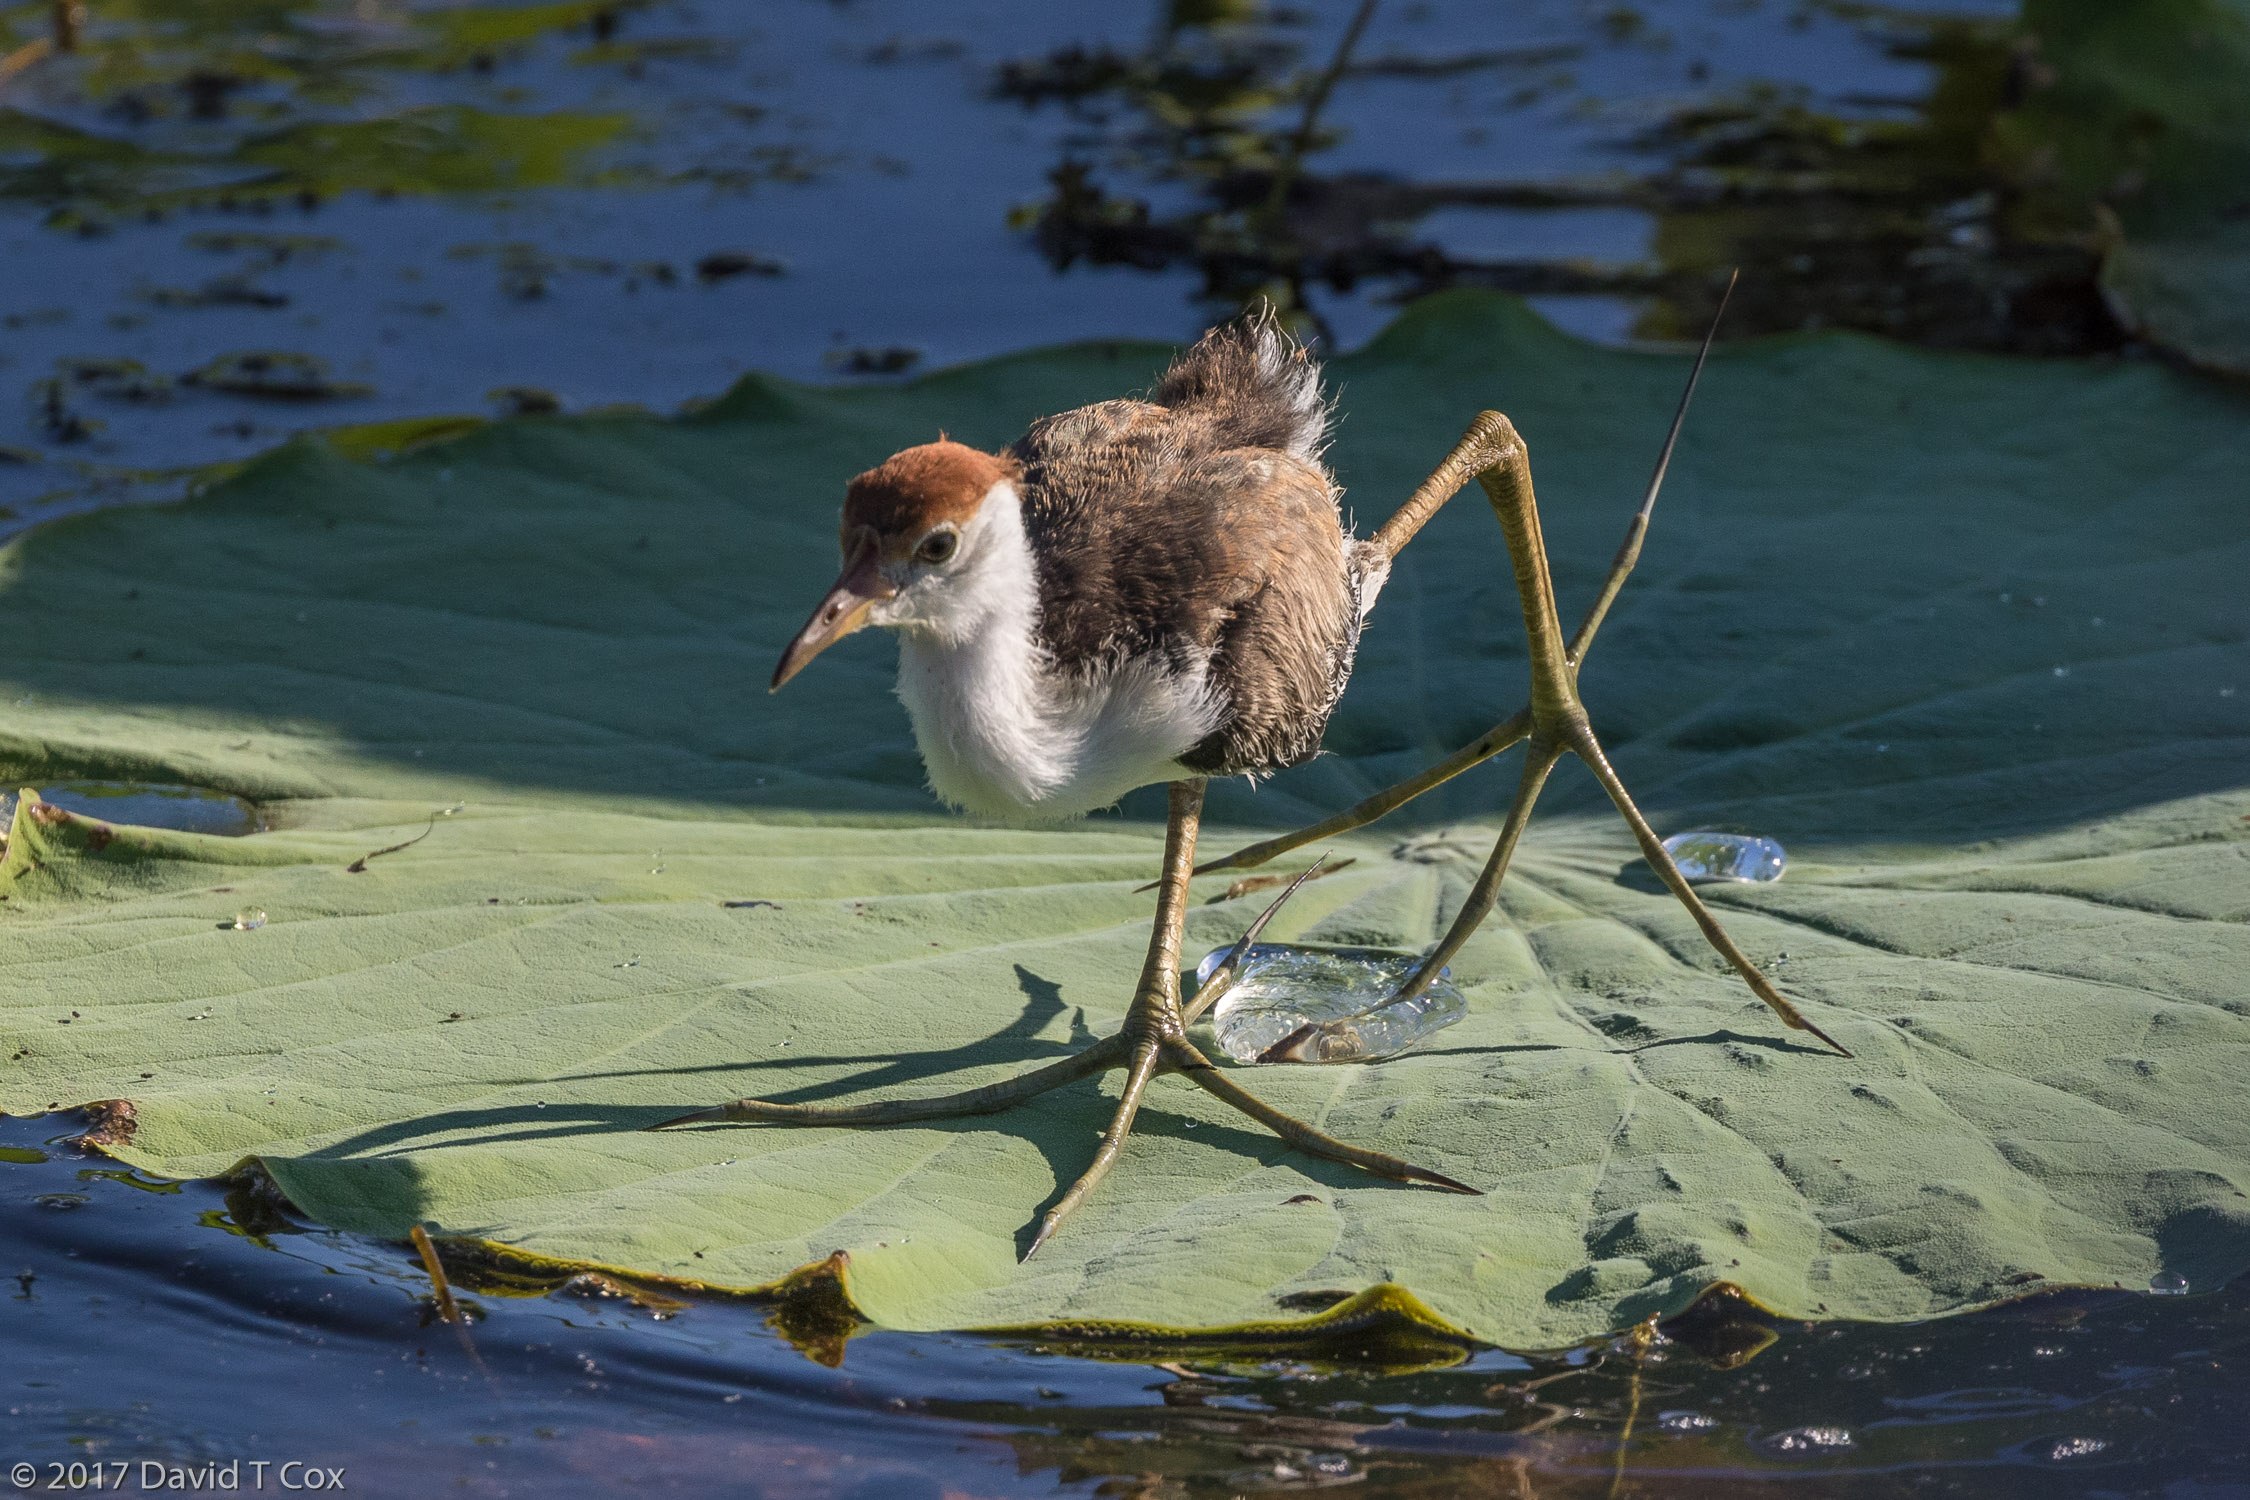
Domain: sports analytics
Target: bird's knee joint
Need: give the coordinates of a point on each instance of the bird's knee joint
(1495, 431)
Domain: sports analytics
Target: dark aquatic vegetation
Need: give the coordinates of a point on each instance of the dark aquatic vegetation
(274, 376)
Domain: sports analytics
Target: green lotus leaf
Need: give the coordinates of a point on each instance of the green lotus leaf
(2145, 111)
(2190, 293)
(1965, 634)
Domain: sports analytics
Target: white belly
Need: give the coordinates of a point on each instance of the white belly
(1004, 737)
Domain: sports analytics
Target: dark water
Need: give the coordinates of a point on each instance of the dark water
(226, 220)
(182, 1325)
(147, 804)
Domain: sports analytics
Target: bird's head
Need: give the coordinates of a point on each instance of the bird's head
(924, 536)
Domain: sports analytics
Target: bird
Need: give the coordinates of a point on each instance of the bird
(1162, 589)
(1133, 592)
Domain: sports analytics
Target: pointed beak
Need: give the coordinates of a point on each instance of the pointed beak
(861, 586)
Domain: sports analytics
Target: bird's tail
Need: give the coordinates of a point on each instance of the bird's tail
(1256, 383)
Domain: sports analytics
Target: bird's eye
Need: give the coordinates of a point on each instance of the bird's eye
(938, 546)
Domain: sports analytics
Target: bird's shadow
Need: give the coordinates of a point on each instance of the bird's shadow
(1017, 1041)
(1742, 1038)
(1635, 874)
(1060, 1123)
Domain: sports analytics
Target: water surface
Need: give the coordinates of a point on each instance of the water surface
(186, 1323)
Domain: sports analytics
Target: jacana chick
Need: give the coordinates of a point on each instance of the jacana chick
(1132, 592)
(1163, 590)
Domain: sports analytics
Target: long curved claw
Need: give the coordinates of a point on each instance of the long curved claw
(1589, 750)
(1145, 1061)
(1191, 1061)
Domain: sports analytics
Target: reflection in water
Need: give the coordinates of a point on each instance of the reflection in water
(1942, 218)
(235, 105)
(375, 210)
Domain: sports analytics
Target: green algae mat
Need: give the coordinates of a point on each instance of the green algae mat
(1967, 635)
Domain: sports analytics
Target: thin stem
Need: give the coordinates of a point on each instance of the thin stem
(1293, 158)
(1222, 978)
(441, 1290)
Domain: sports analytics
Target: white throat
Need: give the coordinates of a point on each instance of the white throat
(1004, 732)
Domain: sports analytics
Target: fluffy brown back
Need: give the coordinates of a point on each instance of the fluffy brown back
(1255, 385)
(1200, 524)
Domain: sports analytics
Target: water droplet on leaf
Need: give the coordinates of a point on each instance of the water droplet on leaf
(1706, 856)
(1283, 989)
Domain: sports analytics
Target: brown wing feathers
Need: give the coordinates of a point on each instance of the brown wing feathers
(1200, 524)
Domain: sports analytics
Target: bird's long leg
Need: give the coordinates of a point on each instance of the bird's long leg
(1554, 714)
(1479, 447)
(1558, 725)
(1154, 1016)
(1156, 1029)
(1589, 750)
(1316, 1041)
